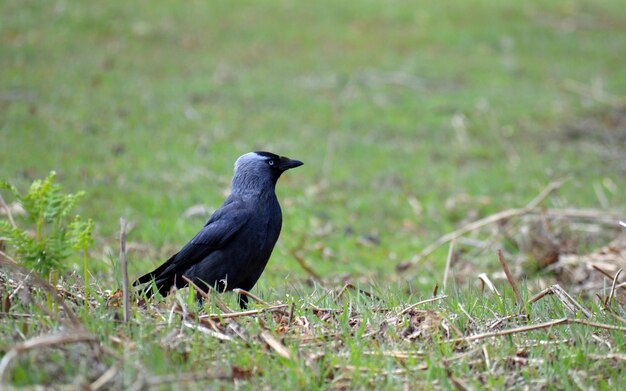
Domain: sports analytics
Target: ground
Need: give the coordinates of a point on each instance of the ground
(413, 119)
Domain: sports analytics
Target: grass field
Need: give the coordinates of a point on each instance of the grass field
(413, 120)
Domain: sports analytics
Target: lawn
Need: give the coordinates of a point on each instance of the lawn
(413, 120)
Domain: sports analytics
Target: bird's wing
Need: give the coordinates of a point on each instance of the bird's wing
(218, 231)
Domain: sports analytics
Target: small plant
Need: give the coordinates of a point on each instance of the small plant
(81, 239)
(51, 235)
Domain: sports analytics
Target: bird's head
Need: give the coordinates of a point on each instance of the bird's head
(257, 170)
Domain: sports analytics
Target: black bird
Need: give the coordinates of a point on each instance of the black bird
(233, 247)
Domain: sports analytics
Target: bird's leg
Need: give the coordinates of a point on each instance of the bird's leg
(243, 302)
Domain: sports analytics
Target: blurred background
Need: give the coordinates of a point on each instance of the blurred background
(412, 118)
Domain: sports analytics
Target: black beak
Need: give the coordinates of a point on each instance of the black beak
(286, 164)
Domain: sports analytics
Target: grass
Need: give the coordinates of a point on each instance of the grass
(412, 120)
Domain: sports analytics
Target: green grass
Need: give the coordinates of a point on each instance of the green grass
(462, 106)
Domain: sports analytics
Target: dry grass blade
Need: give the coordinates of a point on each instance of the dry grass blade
(305, 266)
(460, 385)
(409, 308)
(275, 344)
(613, 286)
(208, 331)
(157, 381)
(219, 303)
(292, 309)
(448, 325)
(588, 93)
(539, 326)
(20, 285)
(399, 354)
(34, 280)
(598, 215)
(515, 330)
(244, 292)
(342, 290)
(244, 313)
(123, 260)
(486, 356)
(609, 356)
(552, 186)
(509, 277)
(462, 308)
(8, 212)
(351, 286)
(7, 257)
(598, 325)
(503, 215)
(617, 317)
(106, 377)
(486, 281)
(41, 342)
(446, 271)
(568, 301)
(607, 275)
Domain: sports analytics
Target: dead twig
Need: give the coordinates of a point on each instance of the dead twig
(540, 295)
(509, 277)
(292, 309)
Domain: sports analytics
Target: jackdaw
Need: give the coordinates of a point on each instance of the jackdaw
(233, 247)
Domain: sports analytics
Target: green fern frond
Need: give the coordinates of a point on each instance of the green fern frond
(54, 235)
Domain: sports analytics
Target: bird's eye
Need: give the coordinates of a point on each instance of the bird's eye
(270, 162)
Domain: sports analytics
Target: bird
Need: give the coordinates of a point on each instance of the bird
(235, 244)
